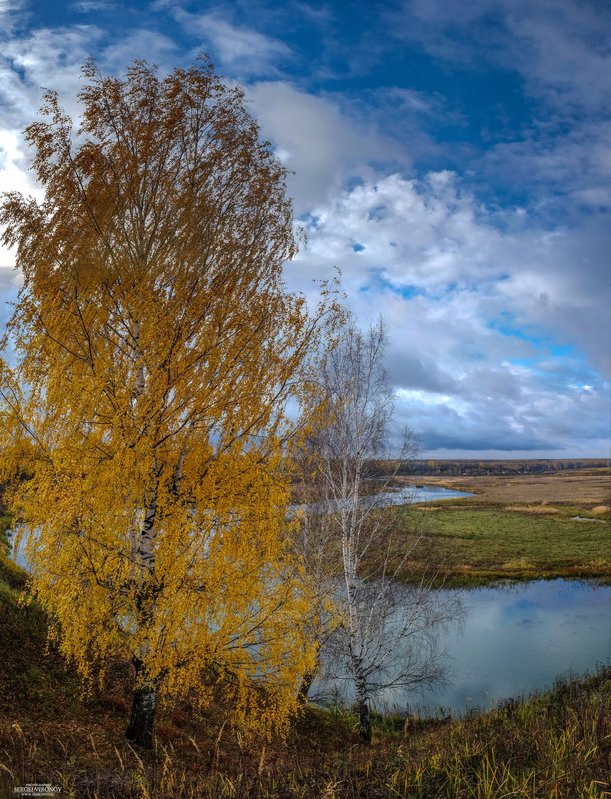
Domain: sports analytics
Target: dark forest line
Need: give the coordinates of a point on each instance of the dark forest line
(479, 467)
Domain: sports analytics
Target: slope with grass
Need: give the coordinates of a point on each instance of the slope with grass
(52, 732)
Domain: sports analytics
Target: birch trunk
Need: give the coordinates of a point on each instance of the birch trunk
(362, 699)
(308, 679)
(357, 663)
(142, 718)
(144, 697)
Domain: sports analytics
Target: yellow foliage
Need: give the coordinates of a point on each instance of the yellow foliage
(157, 350)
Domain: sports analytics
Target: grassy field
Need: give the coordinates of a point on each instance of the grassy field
(553, 745)
(514, 527)
(588, 488)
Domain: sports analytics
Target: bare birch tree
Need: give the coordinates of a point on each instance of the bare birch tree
(383, 631)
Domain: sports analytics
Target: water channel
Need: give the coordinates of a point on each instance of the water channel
(513, 640)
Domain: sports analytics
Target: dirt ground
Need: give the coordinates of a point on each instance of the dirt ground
(562, 487)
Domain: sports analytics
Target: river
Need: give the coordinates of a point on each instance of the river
(514, 639)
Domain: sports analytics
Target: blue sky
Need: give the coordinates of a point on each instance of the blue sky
(452, 159)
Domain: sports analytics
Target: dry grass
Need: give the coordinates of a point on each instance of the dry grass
(601, 510)
(561, 487)
(542, 509)
(554, 745)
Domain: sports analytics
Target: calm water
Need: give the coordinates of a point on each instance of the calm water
(515, 640)
(411, 494)
(405, 495)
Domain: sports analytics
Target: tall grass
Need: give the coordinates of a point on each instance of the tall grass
(552, 746)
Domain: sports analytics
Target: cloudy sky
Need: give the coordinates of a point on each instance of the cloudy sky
(453, 159)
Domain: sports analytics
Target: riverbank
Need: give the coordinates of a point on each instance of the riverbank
(554, 744)
(513, 528)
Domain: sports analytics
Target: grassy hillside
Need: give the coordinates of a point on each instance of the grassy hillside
(553, 745)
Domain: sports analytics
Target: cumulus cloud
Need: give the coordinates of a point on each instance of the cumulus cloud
(29, 63)
(491, 330)
(13, 177)
(498, 316)
(319, 143)
(43, 59)
(433, 244)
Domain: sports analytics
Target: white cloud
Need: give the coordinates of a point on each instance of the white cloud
(14, 177)
(11, 12)
(317, 141)
(561, 47)
(29, 63)
(482, 321)
(406, 232)
(141, 43)
(435, 245)
(90, 6)
(43, 59)
(563, 172)
(244, 51)
(442, 267)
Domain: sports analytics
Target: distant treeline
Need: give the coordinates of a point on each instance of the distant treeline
(493, 467)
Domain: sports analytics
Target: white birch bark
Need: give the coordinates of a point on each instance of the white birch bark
(360, 408)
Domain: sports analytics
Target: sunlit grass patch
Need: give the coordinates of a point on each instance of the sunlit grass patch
(538, 509)
(519, 564)
(601, 511)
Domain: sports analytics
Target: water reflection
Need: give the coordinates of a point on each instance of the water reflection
(512, 641)
(412, 494)
(407, 494)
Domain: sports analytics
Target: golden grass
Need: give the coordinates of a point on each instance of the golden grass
(554, 745)
(519, 564)
(601, 510)
(561, 487)
(539, 509)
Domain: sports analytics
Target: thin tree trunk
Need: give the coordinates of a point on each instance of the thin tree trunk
(362, 700)
(356, 657)
(365, 730)
(308, 679)
(144, 698)
(142, 719)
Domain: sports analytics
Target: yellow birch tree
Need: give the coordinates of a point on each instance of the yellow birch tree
(156, 350)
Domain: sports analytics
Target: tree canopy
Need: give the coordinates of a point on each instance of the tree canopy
(156, 350)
